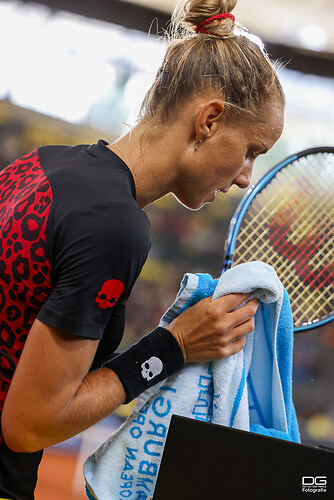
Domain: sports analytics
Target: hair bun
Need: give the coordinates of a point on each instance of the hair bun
(192, 13)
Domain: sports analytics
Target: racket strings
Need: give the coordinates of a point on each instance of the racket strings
(286, 270)
(259, 220)
(289, 225)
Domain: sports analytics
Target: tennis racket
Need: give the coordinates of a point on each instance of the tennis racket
(287, 220)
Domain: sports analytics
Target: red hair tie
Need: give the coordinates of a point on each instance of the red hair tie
(226, 15)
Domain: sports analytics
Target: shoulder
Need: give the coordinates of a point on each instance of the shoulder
(94, 203)
(85, 174)
(120, 224)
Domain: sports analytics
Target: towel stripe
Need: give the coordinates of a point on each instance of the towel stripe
(267, 330)
(239, 394)
(257, 406)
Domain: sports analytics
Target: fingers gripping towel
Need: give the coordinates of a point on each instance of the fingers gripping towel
(251, 390)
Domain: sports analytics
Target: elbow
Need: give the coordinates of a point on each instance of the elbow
(17, 438)
(15, 445)
(21, 443)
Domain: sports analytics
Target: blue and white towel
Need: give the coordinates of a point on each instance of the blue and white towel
(251, 390)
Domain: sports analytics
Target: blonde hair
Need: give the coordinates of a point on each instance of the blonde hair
(223, 62)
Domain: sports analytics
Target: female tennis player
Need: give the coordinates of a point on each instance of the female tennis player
(75, 237)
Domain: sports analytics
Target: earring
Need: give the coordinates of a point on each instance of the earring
(197, 144)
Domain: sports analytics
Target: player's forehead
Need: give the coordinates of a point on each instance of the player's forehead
(266, 126)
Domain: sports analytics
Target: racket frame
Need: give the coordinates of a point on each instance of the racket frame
(242, 208)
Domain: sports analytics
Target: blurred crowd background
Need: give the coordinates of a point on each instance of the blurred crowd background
(73, 72)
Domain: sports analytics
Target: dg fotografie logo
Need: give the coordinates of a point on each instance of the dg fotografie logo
(314, 484)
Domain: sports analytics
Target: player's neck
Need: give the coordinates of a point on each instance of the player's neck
(152, 160)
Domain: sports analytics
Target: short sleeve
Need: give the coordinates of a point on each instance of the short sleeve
(98, 252)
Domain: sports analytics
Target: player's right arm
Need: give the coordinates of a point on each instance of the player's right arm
(53, 396)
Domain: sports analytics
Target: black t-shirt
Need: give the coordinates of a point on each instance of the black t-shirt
(73, 242)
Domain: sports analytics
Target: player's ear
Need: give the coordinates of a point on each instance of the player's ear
(209, 119)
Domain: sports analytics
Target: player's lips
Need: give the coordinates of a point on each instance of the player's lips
(223, 190)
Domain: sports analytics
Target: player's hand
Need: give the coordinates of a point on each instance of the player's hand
(214, 329)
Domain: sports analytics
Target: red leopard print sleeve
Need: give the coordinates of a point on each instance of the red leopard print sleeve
(25, 269)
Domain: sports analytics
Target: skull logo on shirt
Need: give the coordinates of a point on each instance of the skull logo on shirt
(109, 294)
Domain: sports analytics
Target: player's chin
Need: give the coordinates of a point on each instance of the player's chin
(195, 202)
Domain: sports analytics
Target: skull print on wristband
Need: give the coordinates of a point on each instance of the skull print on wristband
(151, 368)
